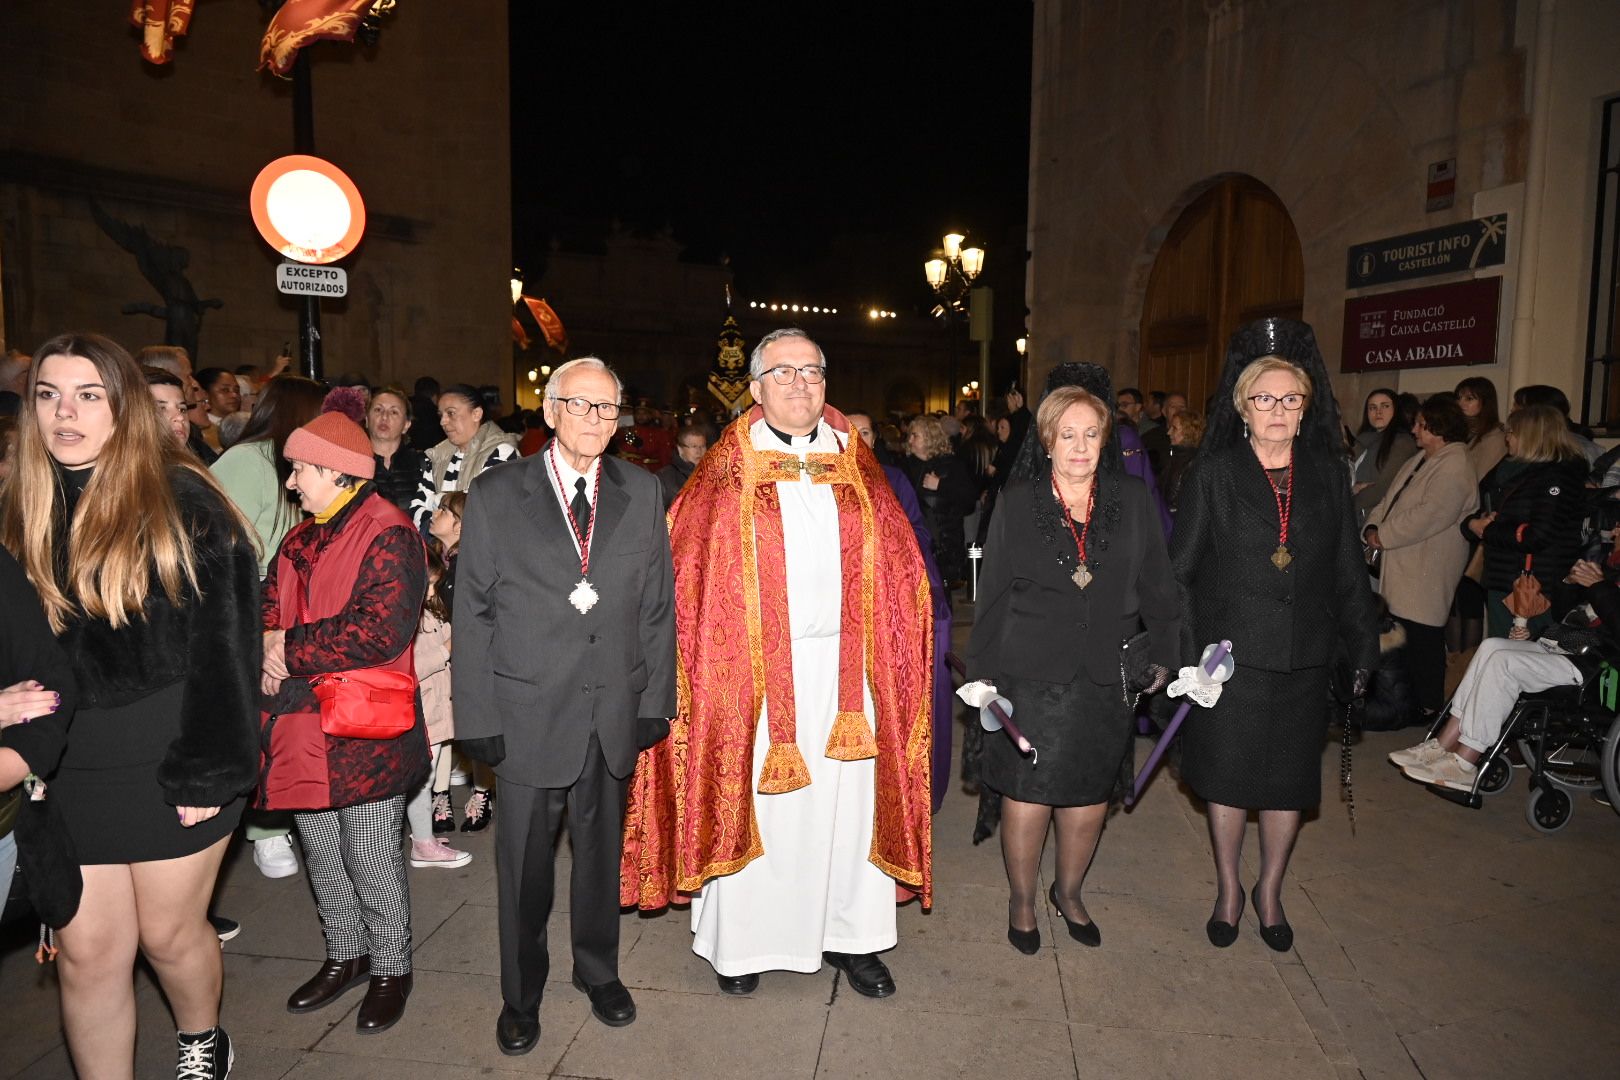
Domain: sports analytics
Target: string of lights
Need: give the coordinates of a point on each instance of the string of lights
(816, 309)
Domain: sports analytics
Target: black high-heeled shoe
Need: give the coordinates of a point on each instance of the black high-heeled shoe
(1084, 933)
(1222, 934)
(1027, 942)
(1279, 937)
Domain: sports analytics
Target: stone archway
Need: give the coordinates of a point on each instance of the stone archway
(1232, 256)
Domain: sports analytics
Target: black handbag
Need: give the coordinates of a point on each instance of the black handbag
(46, 861)
(1137, 673)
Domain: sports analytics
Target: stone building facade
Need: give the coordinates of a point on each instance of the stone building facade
(420, 122)
(1333, 113)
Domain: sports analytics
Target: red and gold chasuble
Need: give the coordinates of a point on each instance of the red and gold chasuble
(691, 806)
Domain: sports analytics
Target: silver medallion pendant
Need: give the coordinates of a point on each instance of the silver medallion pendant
(1081, 576)
(583, 597)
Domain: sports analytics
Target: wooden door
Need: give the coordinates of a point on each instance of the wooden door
(1231, 257)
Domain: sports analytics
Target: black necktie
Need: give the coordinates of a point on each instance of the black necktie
(581, 506)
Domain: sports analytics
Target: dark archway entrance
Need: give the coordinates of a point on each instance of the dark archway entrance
(1231, 257)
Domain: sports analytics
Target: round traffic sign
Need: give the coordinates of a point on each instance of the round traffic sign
(308, 209)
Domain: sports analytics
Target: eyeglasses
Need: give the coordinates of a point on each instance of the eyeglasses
(1267, 402)
(578, 406)
(783, 374)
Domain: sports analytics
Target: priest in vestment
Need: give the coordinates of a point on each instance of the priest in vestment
(791, 801)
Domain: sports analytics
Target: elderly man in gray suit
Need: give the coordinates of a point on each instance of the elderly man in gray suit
(564, 670)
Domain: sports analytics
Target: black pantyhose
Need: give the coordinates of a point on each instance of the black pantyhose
(1278, 831)
(1226, 825)
(1023, 835)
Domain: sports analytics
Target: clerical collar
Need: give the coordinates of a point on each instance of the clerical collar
(793, 440)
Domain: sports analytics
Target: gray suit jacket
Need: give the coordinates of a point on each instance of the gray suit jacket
(529, 667)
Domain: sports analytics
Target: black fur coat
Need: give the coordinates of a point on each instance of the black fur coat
(210, 641)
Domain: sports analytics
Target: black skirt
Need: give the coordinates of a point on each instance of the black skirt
(1260, 747)
(1082, 732)
(108, 792)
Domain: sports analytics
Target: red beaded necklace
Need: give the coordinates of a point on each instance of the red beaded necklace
(1082, 573)
(1285, 506)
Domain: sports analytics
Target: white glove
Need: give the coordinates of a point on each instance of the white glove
(1200, 685)
(1194, 684)
(981, 695)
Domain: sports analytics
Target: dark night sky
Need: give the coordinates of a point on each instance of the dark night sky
(823, 147)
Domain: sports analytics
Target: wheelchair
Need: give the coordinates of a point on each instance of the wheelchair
(1568, 739)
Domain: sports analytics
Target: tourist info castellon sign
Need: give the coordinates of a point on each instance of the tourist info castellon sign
(1437, 326)
(1449, 249)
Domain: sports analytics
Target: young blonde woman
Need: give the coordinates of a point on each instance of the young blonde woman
(150, 582)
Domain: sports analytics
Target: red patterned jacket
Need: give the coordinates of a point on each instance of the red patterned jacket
(370, 548)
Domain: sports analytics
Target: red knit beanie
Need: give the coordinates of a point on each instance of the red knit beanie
(335, 441)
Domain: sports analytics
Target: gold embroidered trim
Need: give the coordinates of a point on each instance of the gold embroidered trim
(851, 738)
(784, 770)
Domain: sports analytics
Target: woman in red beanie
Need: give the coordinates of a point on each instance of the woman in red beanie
(342, 598)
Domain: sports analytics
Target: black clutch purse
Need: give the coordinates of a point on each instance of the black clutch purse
(46, 861)
(1137, 673)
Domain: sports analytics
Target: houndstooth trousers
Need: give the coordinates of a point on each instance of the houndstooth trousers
(357, 868)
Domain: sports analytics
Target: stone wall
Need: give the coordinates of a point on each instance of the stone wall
(420, 122)
(1339, 108)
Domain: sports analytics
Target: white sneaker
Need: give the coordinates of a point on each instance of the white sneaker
(438, 852)
(274, 856)
(1449, 771)
(1424, 753)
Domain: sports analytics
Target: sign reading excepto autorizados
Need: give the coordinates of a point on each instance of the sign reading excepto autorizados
(301, 279)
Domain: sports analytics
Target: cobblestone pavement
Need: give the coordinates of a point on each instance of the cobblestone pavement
(1431, 941)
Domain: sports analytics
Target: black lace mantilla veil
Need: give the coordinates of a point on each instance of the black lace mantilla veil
(1292, 341)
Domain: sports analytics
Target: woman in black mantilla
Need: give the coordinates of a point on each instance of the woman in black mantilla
(1075, 565)
(1267, 555)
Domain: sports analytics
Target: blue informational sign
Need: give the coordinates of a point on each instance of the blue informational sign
(1450, 249)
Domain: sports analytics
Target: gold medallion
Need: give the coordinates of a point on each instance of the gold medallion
(1280, 558)
(1081, 575)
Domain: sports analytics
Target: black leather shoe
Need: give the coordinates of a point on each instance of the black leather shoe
(738, 985)
(611, 1003)
(1027, 942)
(1222, 934)
(1279, 938)
(866, 973)
(335, 978)
(515, 1033)
(384, 1003)
(1084, 933)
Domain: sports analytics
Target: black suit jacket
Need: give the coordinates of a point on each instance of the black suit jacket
(1225, 536)
(525, 664)
(1033, 622)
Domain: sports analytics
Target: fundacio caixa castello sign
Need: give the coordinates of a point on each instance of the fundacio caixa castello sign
(1436, 326)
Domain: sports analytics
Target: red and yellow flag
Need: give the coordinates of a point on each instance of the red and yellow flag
(303, 22)
(160, 21)
(550, 323)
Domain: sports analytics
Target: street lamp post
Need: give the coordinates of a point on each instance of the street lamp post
(951, 271)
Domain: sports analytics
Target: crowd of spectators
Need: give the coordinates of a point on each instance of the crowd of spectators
(1457, 509)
